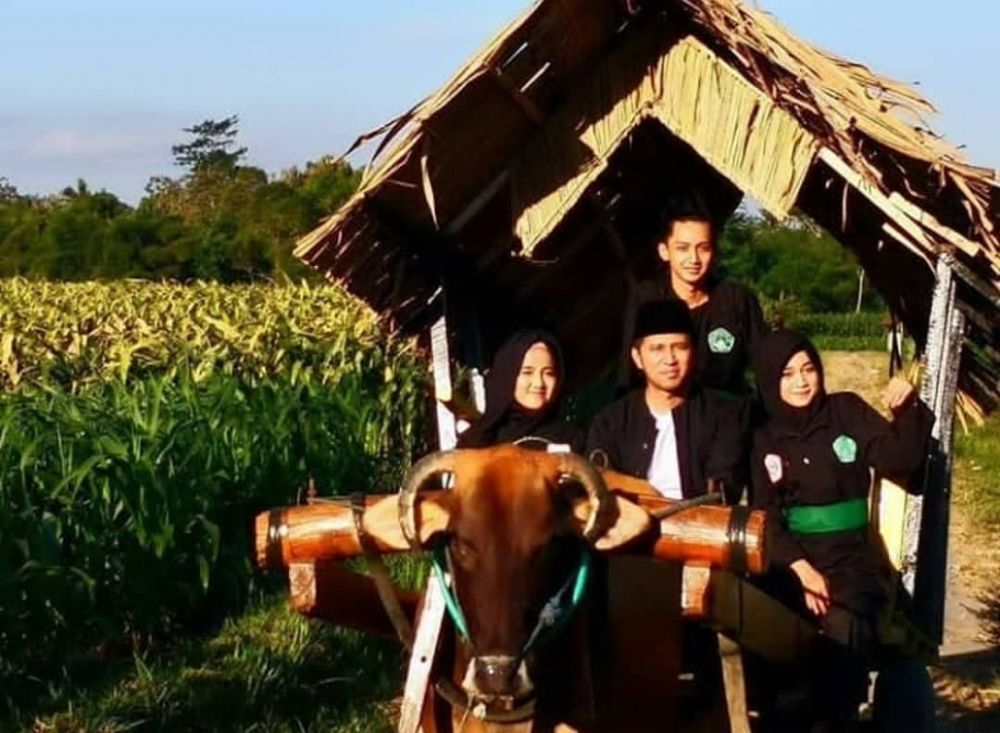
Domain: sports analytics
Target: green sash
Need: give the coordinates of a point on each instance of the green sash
(839, 517)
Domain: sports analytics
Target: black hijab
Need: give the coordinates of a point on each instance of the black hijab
(773, 353)
(504, 420)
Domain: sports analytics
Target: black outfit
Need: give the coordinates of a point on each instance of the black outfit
(710, 434)
(727, 330)
(819, 457)
(504, 421)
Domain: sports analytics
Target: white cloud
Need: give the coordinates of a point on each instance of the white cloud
(77, 144)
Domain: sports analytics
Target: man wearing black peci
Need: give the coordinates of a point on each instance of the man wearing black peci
(677, 436)
(669, 430)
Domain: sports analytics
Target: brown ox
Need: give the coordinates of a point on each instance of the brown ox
(512, 535)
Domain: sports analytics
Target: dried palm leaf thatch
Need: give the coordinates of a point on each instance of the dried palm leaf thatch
(731, 124)
(515, 178)
(838, 99)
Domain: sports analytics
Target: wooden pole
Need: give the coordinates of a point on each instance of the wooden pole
(431, 621)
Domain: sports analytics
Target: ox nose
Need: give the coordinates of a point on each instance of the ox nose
(495, 675)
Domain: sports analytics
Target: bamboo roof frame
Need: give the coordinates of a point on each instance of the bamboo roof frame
(508, 178)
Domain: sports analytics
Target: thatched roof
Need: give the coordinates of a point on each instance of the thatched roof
(527, 183)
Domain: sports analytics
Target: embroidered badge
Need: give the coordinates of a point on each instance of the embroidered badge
(774, 468)
(845, 448)
(720, 340)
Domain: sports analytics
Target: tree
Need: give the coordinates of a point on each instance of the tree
(213, 146)
(7, 191)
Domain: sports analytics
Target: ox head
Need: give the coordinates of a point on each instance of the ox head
(513, 537)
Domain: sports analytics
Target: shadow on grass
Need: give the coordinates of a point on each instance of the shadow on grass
(968, 685)
(968, 698)
(269, 670)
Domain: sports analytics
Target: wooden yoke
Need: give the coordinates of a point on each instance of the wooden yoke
(314, 532)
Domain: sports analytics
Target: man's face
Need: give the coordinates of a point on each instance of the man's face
(665, 360)
(689, 250)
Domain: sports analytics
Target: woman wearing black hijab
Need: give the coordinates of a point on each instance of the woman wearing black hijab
(811, 465)
(522, 395)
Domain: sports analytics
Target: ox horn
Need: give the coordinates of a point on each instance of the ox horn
(602, 503)
(418, 475)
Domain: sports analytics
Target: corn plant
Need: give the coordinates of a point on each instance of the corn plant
(76, 334)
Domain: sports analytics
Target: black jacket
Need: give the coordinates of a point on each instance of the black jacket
(791, 468)
(711, 439)
(728, 327)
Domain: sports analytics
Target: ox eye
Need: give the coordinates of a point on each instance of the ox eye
(462, 550)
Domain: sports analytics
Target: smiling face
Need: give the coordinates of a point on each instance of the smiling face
(799, 381)
(665, 360)
(538, 378)
(689, 250)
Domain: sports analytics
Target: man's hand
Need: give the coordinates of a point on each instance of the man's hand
(814, 586)
(897, 394)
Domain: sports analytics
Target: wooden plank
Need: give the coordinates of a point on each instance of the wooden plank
(695, 590)
(758, 622)
(928, 221)
(522, 100)
(330, 592)
(431, 621)
(476, 205)
(735, 684)
(891, 509)
(425, 643)
(447, 435)
(919, 242)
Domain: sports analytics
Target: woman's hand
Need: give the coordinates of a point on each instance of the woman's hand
(897, 394)
(814, 584)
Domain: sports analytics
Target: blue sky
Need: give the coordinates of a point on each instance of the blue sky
(101, 89)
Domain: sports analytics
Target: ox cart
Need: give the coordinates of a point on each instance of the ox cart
(692, 565)
(527, 186)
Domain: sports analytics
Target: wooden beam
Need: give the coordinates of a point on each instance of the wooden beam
(695, 579)
(617, 244)
(912, 231)
(522, 100)
(734, 681)
(927, 221)
(476, 205)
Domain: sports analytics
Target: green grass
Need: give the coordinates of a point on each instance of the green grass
(977, 471)
(270, 671)
(832, 342)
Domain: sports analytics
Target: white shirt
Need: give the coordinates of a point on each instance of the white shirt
(665, 470)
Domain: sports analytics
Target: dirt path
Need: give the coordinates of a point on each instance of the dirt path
(967, 677)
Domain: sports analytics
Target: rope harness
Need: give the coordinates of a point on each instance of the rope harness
(553, 617)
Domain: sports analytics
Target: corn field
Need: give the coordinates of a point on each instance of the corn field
(77, 334)
(142, 426)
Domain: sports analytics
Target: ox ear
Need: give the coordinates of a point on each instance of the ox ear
(631, 522)
(381, 519)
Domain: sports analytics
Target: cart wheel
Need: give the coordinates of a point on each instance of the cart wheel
(904, 698)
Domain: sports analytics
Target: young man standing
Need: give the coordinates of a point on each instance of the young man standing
(727, 316)
(669, 431)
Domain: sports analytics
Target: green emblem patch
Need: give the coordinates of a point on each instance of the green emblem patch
(720, 341)
(845, 448)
